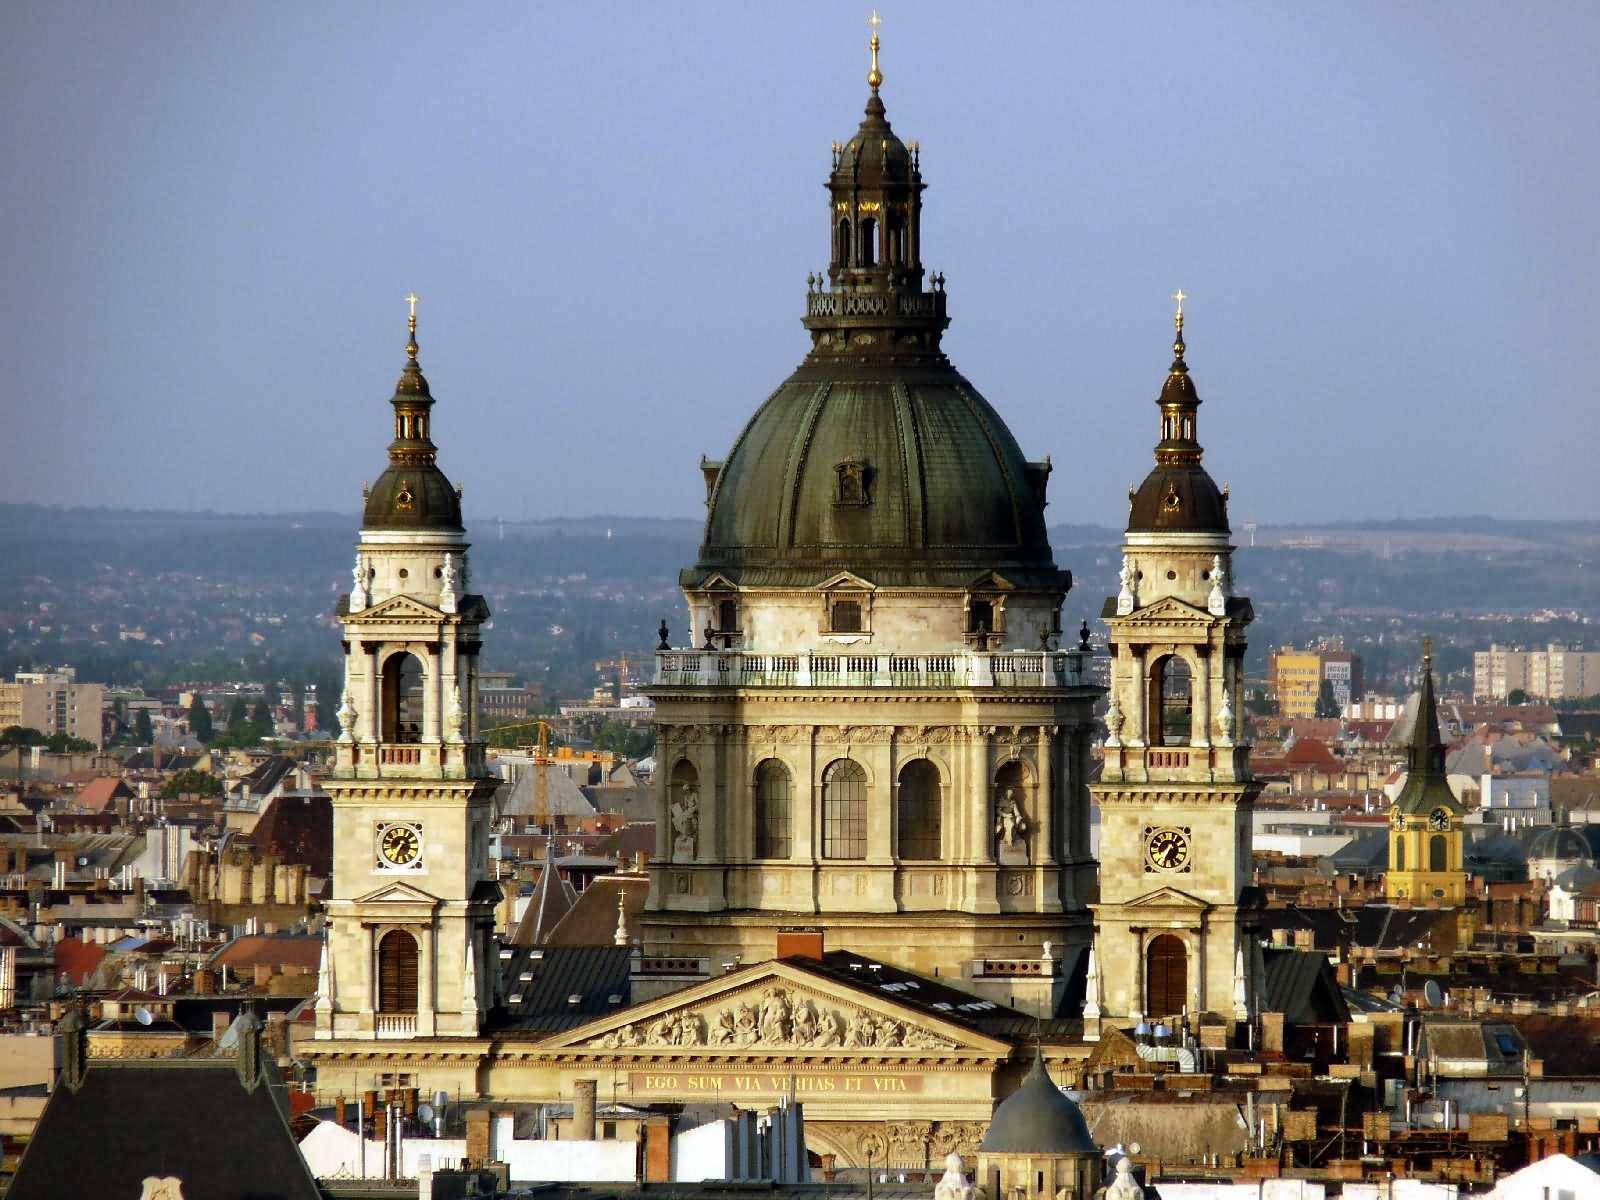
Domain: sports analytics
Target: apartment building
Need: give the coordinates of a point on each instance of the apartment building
(1554, 673)
(53, 702)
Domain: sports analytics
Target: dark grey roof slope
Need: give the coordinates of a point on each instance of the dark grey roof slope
(540, 984)
(1038, 1118)
(1301, 985)
(190, 1118)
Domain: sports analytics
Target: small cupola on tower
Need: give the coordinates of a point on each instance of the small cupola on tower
(1426, 840)
(871, 301)
(412, 493)
(1178, 496)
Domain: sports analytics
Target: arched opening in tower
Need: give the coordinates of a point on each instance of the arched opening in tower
(403, 675)
(397, 972)
(1166, 976)
(1171, 701)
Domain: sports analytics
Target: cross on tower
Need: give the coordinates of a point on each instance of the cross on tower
(1180, 296)
(411, 299)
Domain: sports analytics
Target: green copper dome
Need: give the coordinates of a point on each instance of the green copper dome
(876, 456)
(412, 494)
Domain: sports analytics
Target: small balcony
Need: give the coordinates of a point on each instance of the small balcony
(813, 669)
(426, 760)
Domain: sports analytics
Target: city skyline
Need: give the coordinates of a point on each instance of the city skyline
(577, 202)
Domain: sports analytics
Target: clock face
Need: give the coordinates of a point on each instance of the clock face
(400, 845)
(1439, 818)
(1166, 849)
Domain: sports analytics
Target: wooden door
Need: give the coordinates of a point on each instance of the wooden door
(1166, 974)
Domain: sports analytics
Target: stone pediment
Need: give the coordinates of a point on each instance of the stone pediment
(774, 1008)
(1168, 898)
(991, 581)
(718, 582)
(846, 581)
(1166, 610)
(400, 608)
(398, 892)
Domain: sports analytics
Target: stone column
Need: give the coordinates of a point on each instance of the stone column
(431, 692)
(881, 798)
(1200, 726)
(1139, 717)
(980, 815)
(713, 797)
(427, 975)
(1049, 797)
(374, 703)
(369, 1000)
(1136, 1000)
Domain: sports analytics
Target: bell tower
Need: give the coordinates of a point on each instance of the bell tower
(1425, 844)
(1176, 791)
(412, 907)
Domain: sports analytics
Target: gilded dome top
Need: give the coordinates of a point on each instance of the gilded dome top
(1179, 495)
(412, 494)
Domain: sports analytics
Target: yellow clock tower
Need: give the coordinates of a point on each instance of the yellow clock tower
(1176, 791)
(412, 909)
(1425, 838)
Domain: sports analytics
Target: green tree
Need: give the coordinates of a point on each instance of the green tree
(200, 720)
(191, 783)
(1517, 696)
(262, 715)
(238, 714)
(1327, 702)
(143, 731)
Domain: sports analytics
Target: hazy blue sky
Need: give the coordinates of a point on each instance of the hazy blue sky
(1385, 215)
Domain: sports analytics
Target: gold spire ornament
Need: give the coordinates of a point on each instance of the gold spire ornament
(1180, 296)
(874, 76)
(411, 325)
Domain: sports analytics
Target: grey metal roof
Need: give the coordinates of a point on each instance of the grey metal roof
(1038, 1118)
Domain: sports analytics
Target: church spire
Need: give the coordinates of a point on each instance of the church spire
(1425, 754)
(1179, 402)
(412, 401)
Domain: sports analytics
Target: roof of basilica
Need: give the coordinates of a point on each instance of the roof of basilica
(876, 456)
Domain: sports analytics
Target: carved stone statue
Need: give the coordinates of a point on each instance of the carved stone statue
(863, 1030)
(953, 1183)
(661, 1031)
(804, 1024)
(359, 596)
(347, 717)
(1113, 722)
(690, 1031)
(1217, 601)
(1011, 826)
(722, 1033)
(1123, 1185)
(829, 1033)
(665, 636)
(447, 585)
(746, 1026)
(774, 1017)
(1127, 598)
(685, 814)
(453, 714)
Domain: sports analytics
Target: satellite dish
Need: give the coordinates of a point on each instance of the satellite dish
(425, 1113)
(144, 1016)
(1432, 994)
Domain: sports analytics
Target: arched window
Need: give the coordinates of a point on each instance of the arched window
(1399, 853)
(728, 616)
(397, 972)
(1166, 977)
(844, 810)
(842, 252)
(1170, 700)
(1438, 853)
(772, 809)
(867, 246)
(402, 698)
(920, 813)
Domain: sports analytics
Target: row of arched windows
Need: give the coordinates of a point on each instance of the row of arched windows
(862, 249)
(919, 808)
(1438, 853)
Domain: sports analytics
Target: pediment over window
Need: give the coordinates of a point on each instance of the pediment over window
(401, 608)
(846, 581)
(1169, 898)
(398, 893)
(1169, 608)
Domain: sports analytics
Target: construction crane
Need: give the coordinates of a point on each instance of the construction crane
(542, 759)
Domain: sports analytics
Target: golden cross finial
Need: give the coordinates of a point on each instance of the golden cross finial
(411, 299)
(874, 76)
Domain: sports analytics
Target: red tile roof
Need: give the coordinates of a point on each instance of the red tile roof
(77, 960)
(99, 795)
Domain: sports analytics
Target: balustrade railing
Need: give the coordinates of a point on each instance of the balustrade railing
(965, 668)
(396, 1024)
(874, 304)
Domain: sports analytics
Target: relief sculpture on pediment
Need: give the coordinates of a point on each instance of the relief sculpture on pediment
(778, 1019)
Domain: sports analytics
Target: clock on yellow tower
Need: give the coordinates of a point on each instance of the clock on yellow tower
(1425, 836)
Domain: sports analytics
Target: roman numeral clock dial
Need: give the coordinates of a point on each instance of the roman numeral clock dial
(1166, 848)
(399, 846)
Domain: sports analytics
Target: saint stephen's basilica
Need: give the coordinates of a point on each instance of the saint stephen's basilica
(872, 886)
